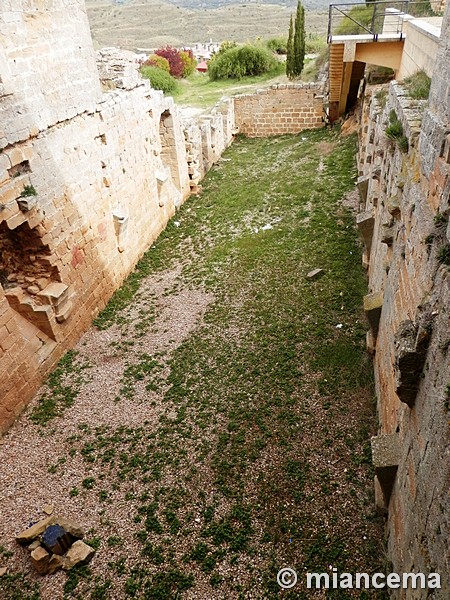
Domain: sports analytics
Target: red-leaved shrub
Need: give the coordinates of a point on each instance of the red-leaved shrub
(175, 61)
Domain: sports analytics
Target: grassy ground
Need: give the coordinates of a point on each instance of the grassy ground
(198, 91)
(254, 454)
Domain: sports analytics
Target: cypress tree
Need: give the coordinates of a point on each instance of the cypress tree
(299, 41)
(290, 51)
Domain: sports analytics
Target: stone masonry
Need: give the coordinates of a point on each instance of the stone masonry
(281, 109)
(93, 163)
(404, 222)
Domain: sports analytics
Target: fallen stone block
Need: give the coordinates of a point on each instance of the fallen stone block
(79, 554)
(40, 559)
(3, 571)
(315, 274)
(34, 545)
(28, 535)
(71, 527)
(55, 564)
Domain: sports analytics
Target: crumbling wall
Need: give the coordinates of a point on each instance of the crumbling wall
(404, 221)
(90, 172)
(280, 109)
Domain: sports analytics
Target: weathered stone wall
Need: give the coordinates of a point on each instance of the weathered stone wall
(93, 163)
(404, 222)
(281, 109)
(87, 182)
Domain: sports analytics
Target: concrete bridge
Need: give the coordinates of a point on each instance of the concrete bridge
(393, 39)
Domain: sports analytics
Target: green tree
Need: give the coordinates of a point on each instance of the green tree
(299, 41)
(290, 51)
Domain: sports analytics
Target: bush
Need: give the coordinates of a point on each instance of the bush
(224, 46)
(315, 43)
(175, 61)
(241, 61)
(361, 14)
(157, 61)
(189, 62)
(418, 85)
(159, 79)
(277, 45)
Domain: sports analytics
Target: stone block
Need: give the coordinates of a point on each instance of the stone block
(373, 304)
(315, 274)
(55, 564)
(54, 293)
(63, 313)
(411, 346)
(363, 186)
(71, 527)
(79, 554)
(393, 205)
(386, 451)
(365, 222)
(40, 559)
(28, 535)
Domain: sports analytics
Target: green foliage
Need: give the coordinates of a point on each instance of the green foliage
(159, 79)
(277, 45)
(28, 190)
(189, 62)
(296, 44)
(290, 51)
(224, 46)
(394, 131)
(299, 41)
(439, 219)
(16, 586)
(418, 85)
(157, 61)
(381, 96)
(361, 14)
(315, 43)
(241, 61)
(443, 255)
(63, 385)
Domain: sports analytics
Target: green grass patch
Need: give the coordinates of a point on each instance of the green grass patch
(256, 455)
(63, 386)
(199, 91)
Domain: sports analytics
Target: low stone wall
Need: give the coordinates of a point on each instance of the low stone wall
(404, 225)
(281, 109)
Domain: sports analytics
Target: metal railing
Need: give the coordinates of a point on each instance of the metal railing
(374, 18)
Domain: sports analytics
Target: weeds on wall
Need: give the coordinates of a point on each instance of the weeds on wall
(27, 191)
(443, 255)
(418, 85)
(394, 131)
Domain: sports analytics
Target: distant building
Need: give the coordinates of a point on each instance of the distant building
(202, 67)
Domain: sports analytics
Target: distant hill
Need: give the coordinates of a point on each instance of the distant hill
(134, 24)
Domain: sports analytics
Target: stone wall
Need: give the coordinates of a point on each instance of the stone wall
(88, 179)
(281, 109)
(93, 163)
(404, 222)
